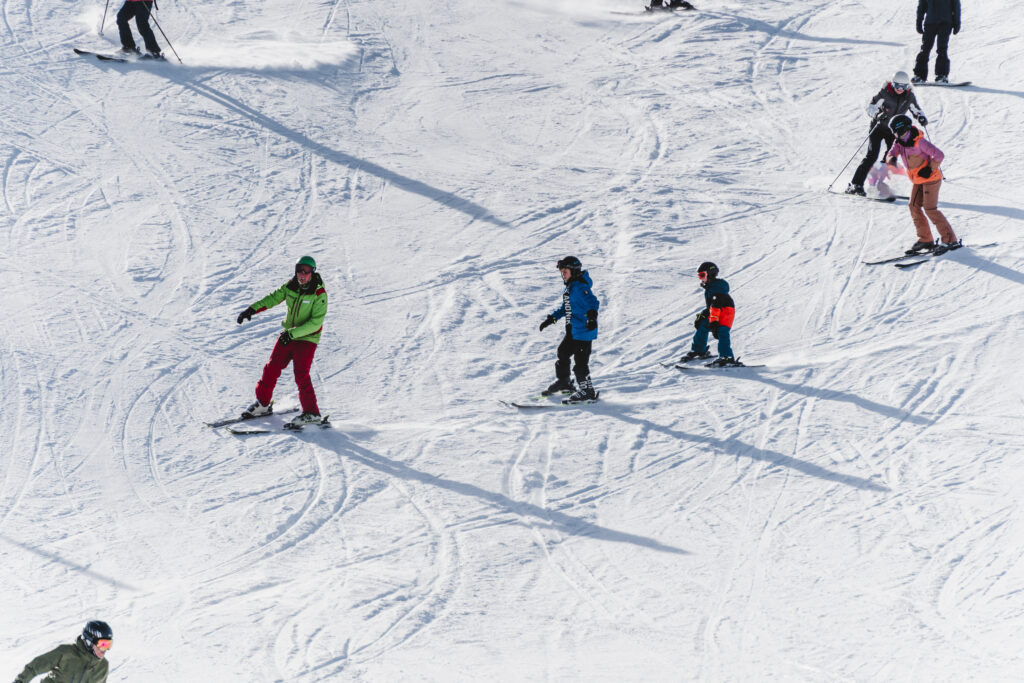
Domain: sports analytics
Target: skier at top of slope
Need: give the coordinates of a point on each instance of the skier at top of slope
(896, 97)
(83, 661)
(579, 308)
(936, 19)
(140, 10)
(306, 300)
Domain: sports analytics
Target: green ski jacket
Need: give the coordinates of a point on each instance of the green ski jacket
(67, 664)
(306, 309)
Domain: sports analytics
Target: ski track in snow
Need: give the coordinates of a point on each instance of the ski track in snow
(737, 526)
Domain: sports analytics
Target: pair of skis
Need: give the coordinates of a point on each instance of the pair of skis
(921, 256)
(537, 402)
(245, 429)
(123, 59)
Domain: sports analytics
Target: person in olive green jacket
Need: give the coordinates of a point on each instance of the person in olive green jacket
(306, 300)
(83, 661)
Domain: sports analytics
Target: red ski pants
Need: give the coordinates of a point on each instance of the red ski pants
(300, 354)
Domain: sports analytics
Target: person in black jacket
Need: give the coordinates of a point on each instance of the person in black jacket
(896, 97)
(935, 20)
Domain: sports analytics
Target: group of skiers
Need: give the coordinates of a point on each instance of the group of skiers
(906, 143)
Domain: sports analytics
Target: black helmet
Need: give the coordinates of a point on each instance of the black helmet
(96, 630)
(708, 267)
(900, 125)
(572, 263)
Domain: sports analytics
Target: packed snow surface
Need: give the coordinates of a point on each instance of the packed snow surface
(850, 512)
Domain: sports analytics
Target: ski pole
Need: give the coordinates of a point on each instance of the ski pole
(870, 133)
(166, 40)
(104, 19)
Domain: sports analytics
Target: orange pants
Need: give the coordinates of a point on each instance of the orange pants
(924, 201)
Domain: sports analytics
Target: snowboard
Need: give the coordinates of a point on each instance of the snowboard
(928, 84)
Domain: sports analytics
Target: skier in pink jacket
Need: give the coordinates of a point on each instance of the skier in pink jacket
(922, 159)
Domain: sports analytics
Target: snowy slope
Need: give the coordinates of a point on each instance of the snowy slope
(850, 512)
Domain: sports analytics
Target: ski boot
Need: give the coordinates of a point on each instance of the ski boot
(917, 79)
(130, 51)
(943, 248)
(725, 362)
(854, 188)
(559, 386)
(920, 247)
(942, 79)
(585, 394)
(158, 56)
(297, 423)
(694, 355)
(257, 409)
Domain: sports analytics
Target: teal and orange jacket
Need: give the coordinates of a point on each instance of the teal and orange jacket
(306, 308)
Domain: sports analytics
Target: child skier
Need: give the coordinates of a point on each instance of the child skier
(716, 318)
(895, 98)
(306, 301)
(579, 308)
(922, 159)
(84, 660)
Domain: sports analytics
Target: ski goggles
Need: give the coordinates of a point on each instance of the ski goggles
(104, 644)
(303, 270)
(703, 275)
(901, 88)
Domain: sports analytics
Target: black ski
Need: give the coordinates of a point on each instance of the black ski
(710, 366)
(537, 405)
(906, 255)
(887, 200)
(942, 85)
(939, 251)
(101, 56)
(236, 420)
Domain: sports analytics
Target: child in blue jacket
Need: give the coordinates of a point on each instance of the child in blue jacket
(716, 318)
(579, 308)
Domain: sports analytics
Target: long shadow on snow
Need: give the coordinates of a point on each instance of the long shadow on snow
(443, 197)
(573, 526)
(747, 24)
(67, 563)
(974, 261)
(832, 395)
(995, 210)
(733, 446)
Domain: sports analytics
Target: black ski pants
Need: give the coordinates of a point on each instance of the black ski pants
(139, 9)
(933, 32)
(573, 350)
(879, 134)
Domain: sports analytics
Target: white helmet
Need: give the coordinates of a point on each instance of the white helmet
(900, 79)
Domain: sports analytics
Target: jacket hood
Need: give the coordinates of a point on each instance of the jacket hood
(583, 277)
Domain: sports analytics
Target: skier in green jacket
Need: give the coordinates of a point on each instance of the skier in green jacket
(306, 300)
(83, 661)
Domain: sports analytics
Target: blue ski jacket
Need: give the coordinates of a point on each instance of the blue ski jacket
(577, 300)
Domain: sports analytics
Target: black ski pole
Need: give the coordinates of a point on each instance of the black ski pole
(870, 133)
(166, 40)
(104, 19)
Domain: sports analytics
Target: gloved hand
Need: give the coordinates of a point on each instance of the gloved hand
(714, 325)
(956, 29)
(703, 315)
(285, 337)
(873, 109)
(591, 320)
(246, 314)
(925, 172)
(550, 320)
(922, 120)
(920, 29)
(891, 161)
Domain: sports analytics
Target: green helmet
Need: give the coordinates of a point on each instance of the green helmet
(307, 261)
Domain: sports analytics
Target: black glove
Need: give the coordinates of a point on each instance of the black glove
(591, 320)
(703, 315)
(246, 314)
(920, 29)
(925, 172)
(956, 29)
(890, 161)
(714, 325)
(922, 120)
(550, 320)
(285, 337)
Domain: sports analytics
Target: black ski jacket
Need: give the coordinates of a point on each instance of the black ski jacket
(938, 12)
(893, 104)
